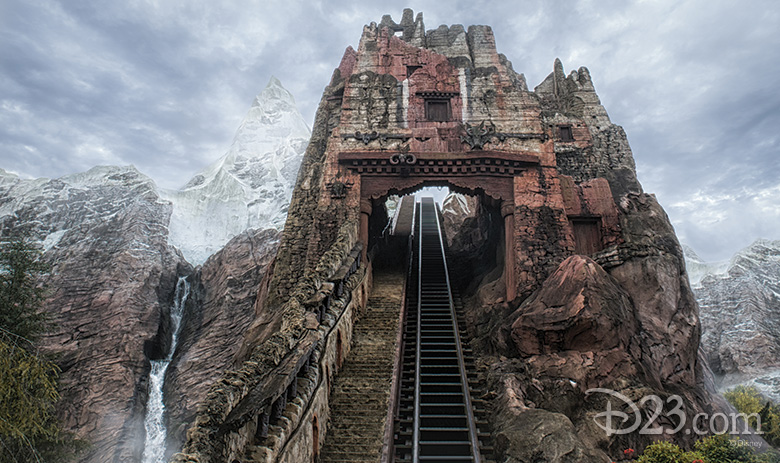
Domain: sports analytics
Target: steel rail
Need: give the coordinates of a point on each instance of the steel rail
(441, 325)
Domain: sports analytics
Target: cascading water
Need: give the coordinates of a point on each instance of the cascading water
(154, 423)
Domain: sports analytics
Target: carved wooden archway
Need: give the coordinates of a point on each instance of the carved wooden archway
(489, 172)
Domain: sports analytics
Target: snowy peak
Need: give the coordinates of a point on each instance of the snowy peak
(250, 186)
(275, 97)
(753, 260)
(698, 269)
(64, 210)
(99, 176)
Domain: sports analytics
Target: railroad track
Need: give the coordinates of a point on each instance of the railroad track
(437, 420)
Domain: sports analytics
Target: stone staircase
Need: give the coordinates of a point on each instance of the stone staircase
(361, 392)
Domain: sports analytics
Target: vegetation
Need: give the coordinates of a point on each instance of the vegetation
(721, 448)
(747, 400)
(29, 431)
(770, 424)
(21, 298)
(714, 449)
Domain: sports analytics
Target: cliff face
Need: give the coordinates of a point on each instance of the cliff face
(113, 241)
(622, 319)
(225, 292)
(740, 321)
(112, 281)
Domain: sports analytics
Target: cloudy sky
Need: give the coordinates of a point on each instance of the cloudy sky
(163, 85)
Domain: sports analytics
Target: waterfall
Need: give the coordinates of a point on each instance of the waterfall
(154, 423)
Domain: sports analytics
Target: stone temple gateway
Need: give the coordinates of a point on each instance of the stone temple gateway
(584, 285)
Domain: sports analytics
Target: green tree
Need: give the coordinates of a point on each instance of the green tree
(748, 400)
(29, 431)
(770, 424)
(28, 392)
(21, 296)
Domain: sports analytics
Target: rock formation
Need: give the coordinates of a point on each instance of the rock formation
(739, 304)
(111, 283)
(584, 286)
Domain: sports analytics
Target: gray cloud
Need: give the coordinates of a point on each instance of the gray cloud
(164, 85)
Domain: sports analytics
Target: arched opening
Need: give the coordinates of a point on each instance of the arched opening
(315, 437)
(473, 227)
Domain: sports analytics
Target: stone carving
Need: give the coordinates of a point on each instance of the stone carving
(367, 138)
(338, 189)
(477, 137)
(403, 157)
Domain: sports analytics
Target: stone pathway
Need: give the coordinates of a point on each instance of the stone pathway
(361, 392)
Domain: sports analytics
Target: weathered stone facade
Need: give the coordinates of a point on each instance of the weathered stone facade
(412, 108)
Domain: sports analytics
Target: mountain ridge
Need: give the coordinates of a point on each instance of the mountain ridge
(739, 304)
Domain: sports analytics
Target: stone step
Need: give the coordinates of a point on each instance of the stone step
(361, 391)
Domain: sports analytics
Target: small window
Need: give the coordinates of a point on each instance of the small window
(410, 70)
(565, 133)
(437, 110)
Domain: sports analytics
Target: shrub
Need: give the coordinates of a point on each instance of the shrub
(714, 449)
(722, 448)
(663, 452)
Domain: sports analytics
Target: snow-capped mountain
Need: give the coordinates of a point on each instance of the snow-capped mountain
(250, 186)
(56, 210)
(739, 306)
(698, 269)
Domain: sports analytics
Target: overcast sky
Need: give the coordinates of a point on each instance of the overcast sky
(164, 84)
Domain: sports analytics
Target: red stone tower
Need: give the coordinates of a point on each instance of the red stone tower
(414, 108)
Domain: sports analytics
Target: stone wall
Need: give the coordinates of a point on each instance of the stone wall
(226, 426)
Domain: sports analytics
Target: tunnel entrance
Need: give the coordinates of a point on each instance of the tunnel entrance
(472, 227)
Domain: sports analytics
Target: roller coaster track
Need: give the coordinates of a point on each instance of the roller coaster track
(436, 415)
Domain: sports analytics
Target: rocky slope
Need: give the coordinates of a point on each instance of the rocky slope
(740, 313)
(112, 280)
(250, 186)
(623, 318)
